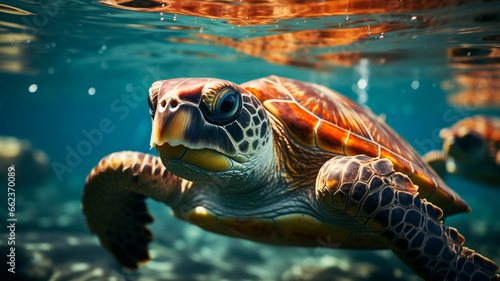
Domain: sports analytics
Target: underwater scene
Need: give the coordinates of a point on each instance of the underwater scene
(241, 190)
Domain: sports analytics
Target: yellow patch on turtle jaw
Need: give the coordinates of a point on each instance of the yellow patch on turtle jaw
(206, 159)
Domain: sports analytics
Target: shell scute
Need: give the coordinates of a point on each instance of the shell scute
(330, 137)
(274, 90)
(401, 164)
(299, 122)
(328, 105)
(420, 178)
(356, 145)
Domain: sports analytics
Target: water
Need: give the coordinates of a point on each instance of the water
(68, 68)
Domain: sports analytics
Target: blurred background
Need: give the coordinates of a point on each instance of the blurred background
(69, 66)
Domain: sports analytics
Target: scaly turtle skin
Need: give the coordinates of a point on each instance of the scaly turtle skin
(471, 148)
(284, 162)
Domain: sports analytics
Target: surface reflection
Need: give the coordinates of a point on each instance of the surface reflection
(247, 12)
(308, 48)
(320, 35)
(477, 77)
(13, 36)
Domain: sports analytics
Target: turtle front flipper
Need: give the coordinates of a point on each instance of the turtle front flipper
(387, 202)
(113, 202)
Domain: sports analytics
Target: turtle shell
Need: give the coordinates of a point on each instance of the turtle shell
(321, 119)
(485, 126)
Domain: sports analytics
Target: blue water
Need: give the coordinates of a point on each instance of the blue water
(67, 66)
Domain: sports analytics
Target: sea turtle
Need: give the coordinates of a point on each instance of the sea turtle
(471, 148)
(279, 161)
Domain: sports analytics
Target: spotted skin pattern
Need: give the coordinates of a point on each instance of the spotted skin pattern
(370, 190)
(250, 133)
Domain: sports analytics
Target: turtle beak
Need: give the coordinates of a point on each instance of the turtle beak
(169, 123)
(170, 127)
(171, 118)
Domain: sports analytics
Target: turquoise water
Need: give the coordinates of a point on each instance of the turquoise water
(65, 66)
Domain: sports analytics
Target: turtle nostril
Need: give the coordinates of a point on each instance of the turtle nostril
(168, 102)
(173, 104)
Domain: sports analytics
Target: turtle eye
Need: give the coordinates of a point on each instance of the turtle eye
(223, 107)
(227, 104)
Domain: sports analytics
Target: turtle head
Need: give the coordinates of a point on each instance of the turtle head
(464, 147)
(209, 130)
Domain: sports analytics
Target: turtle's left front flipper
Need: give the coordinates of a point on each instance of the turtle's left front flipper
(386, 202)
(114, 202)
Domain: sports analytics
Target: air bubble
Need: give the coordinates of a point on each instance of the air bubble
(32, 88)
(362, 83)
(415, 84)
